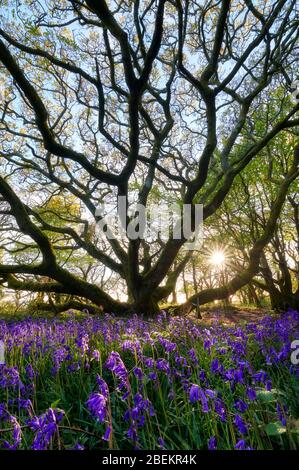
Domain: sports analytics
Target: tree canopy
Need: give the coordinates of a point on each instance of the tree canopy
(150, 100)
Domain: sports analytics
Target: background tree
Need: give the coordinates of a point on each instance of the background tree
(126, 99)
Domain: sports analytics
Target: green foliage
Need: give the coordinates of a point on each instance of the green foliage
(275, 429)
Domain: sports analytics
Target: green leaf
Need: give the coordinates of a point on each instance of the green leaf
(55, 403)
(294, 426)
(265, 396)
(268, 396)
(275, 429)
(35, 31)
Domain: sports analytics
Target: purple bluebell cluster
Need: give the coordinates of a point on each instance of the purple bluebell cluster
(97, 381)
(45, 427)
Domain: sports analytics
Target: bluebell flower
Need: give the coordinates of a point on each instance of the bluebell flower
(103, 387)
(251, 393)
(215, 366)
(96, 355)
(202, 375)
(132, 433)
(138, 373)
(204, 402)
(78, 446)
(152, 376)
(220, 409)
(194, 393)
(16, 436)
(242, 428)
(210, 393)
(45, 427)
(281, 412)
(192, 355)
(161, 443)
(241, 445)
(116, 365)
(240, 405)
(212, 443)
(167, 345)
(106, 436)
(163, 365)
(97, 405)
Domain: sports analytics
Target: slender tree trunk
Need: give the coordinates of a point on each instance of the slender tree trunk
(255, 298)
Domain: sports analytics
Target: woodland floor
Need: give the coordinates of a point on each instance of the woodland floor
(233, 315)
(226, 315)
